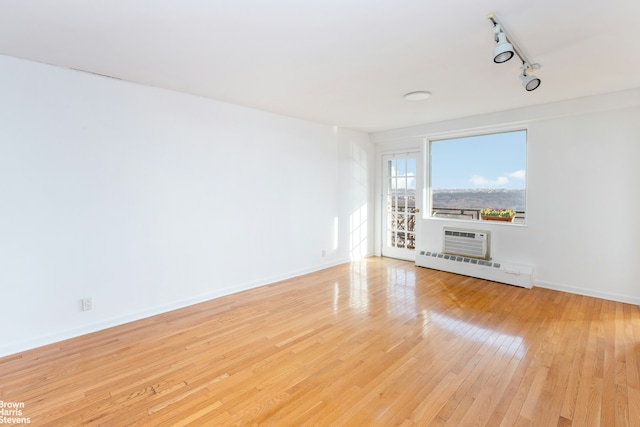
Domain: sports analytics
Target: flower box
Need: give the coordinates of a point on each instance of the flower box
(505, 215)
(497, 218)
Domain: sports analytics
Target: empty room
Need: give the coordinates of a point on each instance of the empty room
(320, 213)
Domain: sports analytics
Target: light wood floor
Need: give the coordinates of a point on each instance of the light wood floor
(379, 342)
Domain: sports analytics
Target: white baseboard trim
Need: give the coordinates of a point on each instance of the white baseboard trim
(34, 342)
(588, 292)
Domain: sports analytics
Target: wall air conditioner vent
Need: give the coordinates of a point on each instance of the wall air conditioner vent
(464, 259)
(466, 243)
(512, 274)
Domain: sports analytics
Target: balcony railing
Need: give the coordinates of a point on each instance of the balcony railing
(403, 222)
(470, 214)
(403, 225)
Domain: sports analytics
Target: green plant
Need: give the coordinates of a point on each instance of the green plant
(504, 213)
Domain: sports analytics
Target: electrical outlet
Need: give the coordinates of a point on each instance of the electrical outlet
(87, 304)
(324, 253)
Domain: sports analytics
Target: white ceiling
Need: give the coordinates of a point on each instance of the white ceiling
(338, 62)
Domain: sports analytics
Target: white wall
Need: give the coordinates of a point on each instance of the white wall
(583, 209)
(148, 200)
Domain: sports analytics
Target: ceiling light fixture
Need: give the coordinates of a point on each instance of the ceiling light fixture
(417, 95)
(505, 50)
(529, 81)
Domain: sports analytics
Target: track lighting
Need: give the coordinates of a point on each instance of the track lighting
(529, 81)
(505, 50)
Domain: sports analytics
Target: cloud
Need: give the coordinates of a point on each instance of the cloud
(479, 180)
(400, 182)
(519, 174)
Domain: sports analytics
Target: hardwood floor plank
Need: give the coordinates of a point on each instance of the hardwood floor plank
(633, 395)
(379, 342)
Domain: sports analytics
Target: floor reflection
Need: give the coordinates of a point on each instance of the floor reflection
(359, 288)
(401, 296)
(401, 291)
(514, 345)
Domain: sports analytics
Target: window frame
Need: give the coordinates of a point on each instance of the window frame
(427, 195)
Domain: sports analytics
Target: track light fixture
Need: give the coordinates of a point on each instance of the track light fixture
(505, 50)
(529, 81)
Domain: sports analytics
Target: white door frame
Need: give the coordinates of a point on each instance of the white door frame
(401, 203)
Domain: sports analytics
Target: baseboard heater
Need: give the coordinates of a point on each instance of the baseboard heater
(511, 274)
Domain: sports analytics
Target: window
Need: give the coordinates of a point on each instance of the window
(478, 172)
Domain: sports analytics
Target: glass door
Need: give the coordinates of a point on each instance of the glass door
(401, 205)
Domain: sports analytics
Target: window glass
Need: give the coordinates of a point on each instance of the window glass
(479, 175)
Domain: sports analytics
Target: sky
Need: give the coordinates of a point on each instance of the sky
(487, 161)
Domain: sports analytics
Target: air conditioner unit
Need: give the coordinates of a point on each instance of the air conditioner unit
(467, 243)
(467, 252)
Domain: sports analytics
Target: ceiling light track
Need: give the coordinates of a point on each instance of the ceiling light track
(506, 48)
